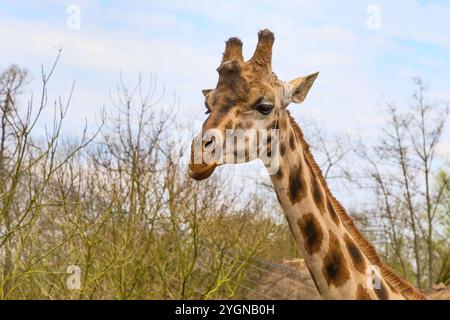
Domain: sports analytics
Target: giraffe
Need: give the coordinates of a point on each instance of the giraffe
(248, 95)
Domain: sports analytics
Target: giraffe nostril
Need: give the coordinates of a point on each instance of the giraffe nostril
(208, 143)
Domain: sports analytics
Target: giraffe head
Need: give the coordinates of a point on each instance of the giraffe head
(248, 100)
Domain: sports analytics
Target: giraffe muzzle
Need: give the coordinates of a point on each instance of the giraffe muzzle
(201, 171)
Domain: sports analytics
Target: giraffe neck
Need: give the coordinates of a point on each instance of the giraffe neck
(339, 267)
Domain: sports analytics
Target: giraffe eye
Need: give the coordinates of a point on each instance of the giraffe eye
(264, 109)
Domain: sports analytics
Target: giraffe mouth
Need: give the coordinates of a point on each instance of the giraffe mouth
(201, 171)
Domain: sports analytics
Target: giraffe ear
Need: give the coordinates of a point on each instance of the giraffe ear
(206, 91)
(300, 87)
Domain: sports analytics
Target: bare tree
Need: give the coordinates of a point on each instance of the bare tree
(425, 128)
(401, 172)
(11, 82)
(27, 165)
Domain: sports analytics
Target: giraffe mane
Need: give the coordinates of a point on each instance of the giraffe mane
(398, 284)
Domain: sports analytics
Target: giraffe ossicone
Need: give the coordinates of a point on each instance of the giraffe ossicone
(249, 97)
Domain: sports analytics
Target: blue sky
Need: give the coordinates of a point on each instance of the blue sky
(180, 42)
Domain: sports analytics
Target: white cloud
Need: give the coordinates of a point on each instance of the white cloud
(181, 42)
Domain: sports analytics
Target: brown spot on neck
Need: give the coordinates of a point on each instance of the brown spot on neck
(317, 193)
(311, 233)
(316, 189)
(297, 184)
(332, 212)
(355, 254)
(335, 269)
